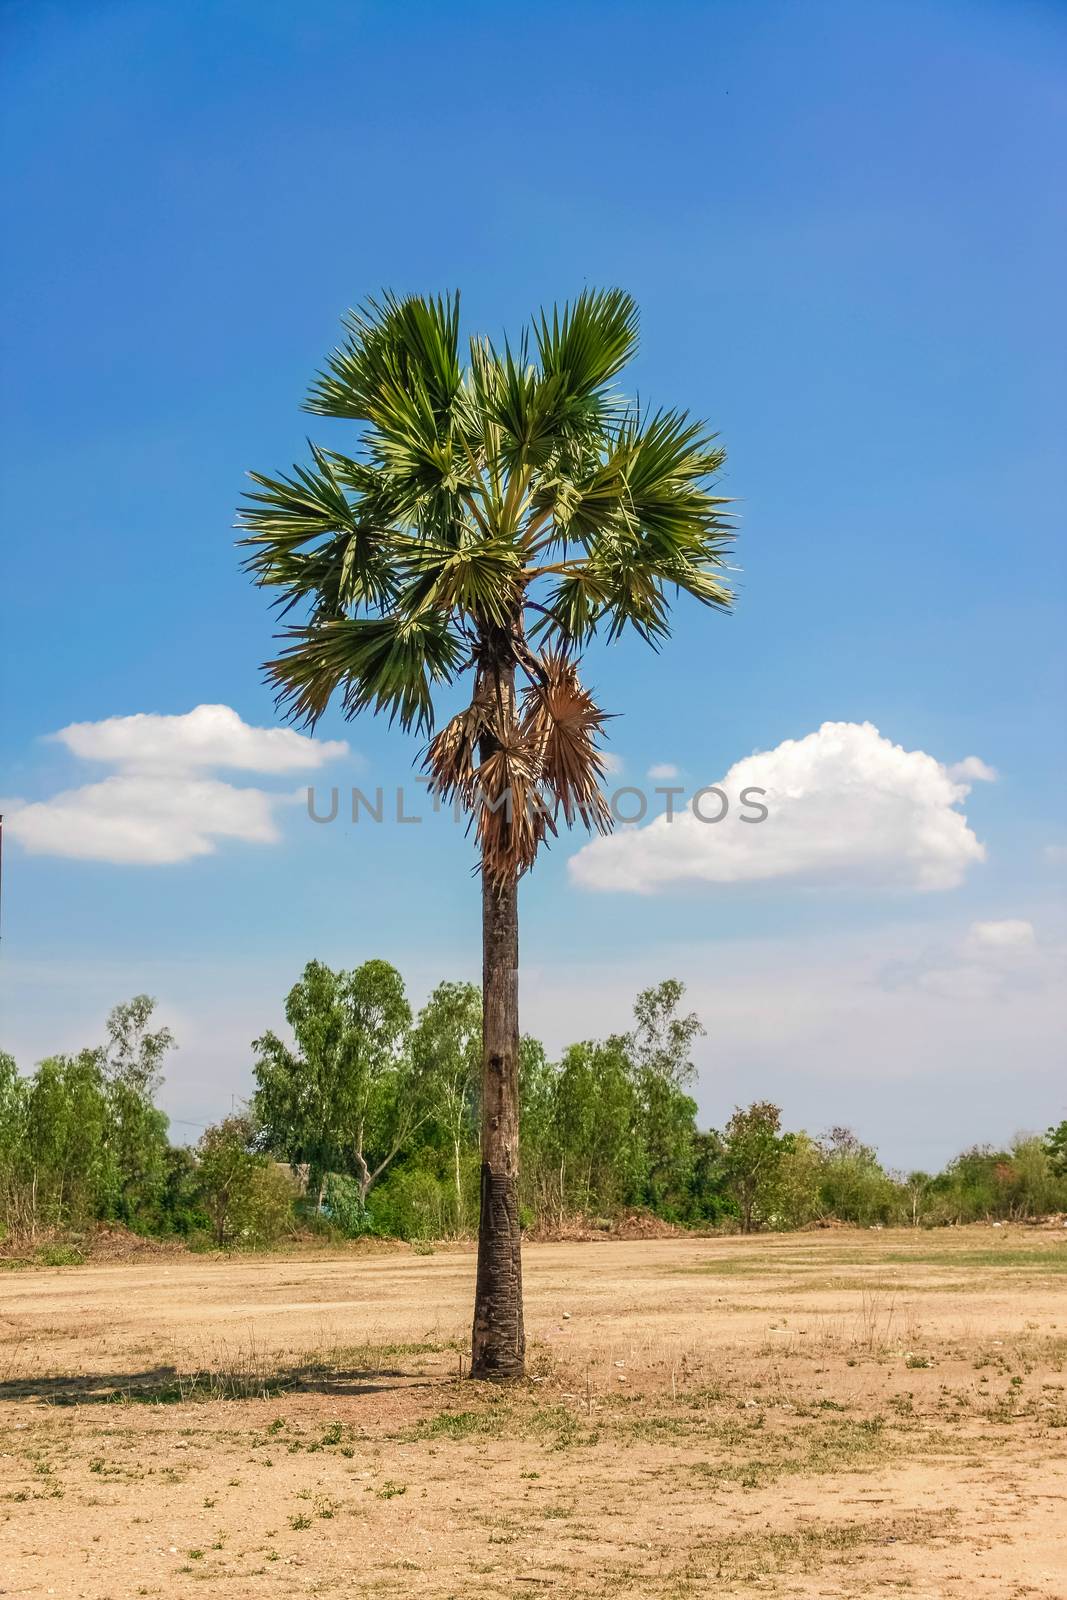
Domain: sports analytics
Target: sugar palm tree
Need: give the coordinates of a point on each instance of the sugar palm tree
(493, 518)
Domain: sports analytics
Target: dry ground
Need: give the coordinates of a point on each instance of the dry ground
(841, 1414)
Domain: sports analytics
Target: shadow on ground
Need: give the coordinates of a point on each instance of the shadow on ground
(165, 1385)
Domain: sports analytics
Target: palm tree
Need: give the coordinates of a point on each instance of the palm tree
(494, 518)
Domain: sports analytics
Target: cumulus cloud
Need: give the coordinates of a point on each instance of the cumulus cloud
(972, 769)
(208, 736)
(845, 806)
(663, 770)
(145, 819)
(613, 764)
(163, 805)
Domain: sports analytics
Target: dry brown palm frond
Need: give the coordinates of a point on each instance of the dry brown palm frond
(450, 756)
(501, 790)
(561, 721)
(512, 819)
(515, 777)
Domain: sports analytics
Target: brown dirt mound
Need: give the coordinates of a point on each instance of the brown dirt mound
(643, 1225)
(634, 1224)
(112, 1242)
(105, 1242)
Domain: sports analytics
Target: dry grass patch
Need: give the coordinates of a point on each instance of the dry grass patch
(280, 1427)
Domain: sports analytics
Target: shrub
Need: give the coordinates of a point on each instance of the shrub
(268, 1207)
(411, 1204)
(247, 1197)
(59, 1255)
(344, 1206)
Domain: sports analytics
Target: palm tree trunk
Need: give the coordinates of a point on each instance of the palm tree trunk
(498, 1344)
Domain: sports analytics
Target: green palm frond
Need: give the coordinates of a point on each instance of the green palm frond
(297, 508)
(635, 596)
(480, 580)
(348, 562)
(486, 505)
(645, 521)
(588, 343)
(702, 582)
(410, 342)
(386, 664)
(666, 462)
(522, 409)
(574, 605)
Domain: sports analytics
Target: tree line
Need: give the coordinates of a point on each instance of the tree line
(365, 1120)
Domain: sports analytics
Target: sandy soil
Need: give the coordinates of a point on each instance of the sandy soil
(837, 1414)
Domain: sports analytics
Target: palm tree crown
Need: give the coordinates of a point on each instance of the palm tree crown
(495, 517)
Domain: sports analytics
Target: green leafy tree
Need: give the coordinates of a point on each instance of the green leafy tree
(137, 1129)
(968, 1188)
(1056, 1149)
(68, 1153)
(916, 1188)
(347, 1098)
(16, 1191)
(446, 1050)
(611, 1125)
(226, 1162)
(709, 1200)
(1029, 1184)
(177, 1207)
(247, 1198)
(134, 1054)
(412, 1202)
(854, 1187)
(491, 519)
(83, 1139)
(597, 1134)
(753, 1149)
(537, 1079)
(798, 1182)
(660, 1046)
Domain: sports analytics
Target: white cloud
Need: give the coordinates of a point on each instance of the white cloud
(163, 806)
(144, 819)
(972, 769)
(208, 736)
(613, 764)
(663, 770)
(846, 806)
(994, 960)
(1012, 933)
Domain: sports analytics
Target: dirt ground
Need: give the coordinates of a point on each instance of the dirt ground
(840, 1414)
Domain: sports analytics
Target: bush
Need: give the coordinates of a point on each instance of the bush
(1009, 1184)
(411, 1204)
(797, 1196)
(268, 1207)
(344, 1206)
(853, 1187)
(59, 1255)
(247, 1197)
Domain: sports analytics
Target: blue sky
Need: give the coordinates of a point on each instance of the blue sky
(843, 226)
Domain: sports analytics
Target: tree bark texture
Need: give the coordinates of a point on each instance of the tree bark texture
(498, 1345)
